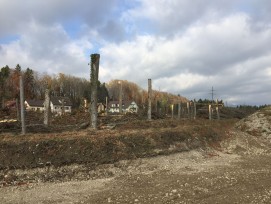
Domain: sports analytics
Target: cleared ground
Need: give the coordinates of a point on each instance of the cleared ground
(235, 169)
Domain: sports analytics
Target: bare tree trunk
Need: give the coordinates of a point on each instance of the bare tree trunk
(22, 106)
(172, 111)
(94, 75)
(106, 105)
(149, 98)
(188, 109)
(46, 107)
(217, 110)
(62, 107)
(17, 109)
(210, 112)
(156, 105)
(195, 109)
(120, 98)
(179, 111)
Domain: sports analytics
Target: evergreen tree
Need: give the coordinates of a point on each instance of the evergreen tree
(4, 75)
(29, 84)
(102, 92)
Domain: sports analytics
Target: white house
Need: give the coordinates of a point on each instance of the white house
(132, 107)
(34, 105)
(127, 107)
(58, 103)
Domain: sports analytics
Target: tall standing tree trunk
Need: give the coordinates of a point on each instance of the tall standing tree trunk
(217, 110)
(195, 109)
(94, 74)
(106, 105)
(210, 112)
(46, 107)
(188, 109)
(149, 98)
(120, 98)
(62, 107)
(172, 111)
(179, 110)
(22, 105)
(18, 109)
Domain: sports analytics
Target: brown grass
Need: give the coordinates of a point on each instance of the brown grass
(130, 140)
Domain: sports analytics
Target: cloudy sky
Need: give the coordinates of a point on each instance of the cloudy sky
(184, 46)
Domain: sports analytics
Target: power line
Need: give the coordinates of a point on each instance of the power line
(212, 93)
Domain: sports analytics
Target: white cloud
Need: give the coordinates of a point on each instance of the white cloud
(221, 53)
(184, 46)
(16, 14)
(47, 49)
(179, 83)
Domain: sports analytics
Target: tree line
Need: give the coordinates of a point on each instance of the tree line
(75, 88)
(35, 85)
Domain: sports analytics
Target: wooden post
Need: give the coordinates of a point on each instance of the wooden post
(94, 74)
(149, 98)
(22, 105)
(217, 110)
(120, 98)
(46, 107)
(195, 109)
(210, 112)
(188, 109)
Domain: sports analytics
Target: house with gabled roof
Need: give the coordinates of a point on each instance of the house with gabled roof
(34, 105)
(57, 104)
(127, 107)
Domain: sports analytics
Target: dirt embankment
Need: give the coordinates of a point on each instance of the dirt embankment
(252, 135)
(91, 148)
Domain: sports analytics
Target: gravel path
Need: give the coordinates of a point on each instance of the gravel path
(191, 177)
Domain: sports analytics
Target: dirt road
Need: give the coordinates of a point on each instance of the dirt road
(239, 172)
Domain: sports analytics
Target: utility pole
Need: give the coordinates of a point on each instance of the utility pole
(212, 94)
